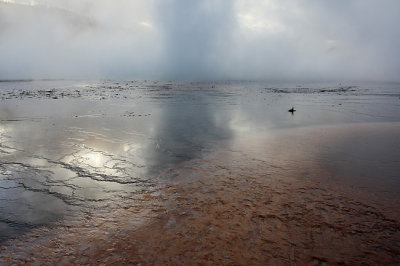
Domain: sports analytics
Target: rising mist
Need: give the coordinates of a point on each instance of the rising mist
(181, 39)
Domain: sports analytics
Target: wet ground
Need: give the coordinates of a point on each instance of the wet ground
(180, 172)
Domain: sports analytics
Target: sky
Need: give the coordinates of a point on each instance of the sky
(201, 39)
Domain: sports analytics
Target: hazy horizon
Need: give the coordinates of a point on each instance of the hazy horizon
(200, 40)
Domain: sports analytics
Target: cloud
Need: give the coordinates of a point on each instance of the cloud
(320, 40)
(188, 39)
(87, 39)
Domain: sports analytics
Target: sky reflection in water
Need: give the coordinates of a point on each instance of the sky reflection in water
(82, 145)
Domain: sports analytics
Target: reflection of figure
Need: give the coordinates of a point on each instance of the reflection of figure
(185, 130)
(292, 110)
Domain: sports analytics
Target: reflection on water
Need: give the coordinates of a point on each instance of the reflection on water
(66, 147)
(183, 131)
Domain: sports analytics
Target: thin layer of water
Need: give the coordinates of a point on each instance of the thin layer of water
(265, 199)
(69, 146)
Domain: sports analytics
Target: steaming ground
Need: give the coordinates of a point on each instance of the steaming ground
(150, 171)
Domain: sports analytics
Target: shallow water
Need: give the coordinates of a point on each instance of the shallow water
(265, 199)
(71, 146)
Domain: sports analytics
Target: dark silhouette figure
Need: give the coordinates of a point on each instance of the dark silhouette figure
(292, 110)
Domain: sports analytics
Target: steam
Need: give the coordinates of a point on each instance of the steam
(207, 39)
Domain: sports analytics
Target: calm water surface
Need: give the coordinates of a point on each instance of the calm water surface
(66, 146)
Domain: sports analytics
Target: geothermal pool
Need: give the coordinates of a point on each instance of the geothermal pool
(183, 158)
